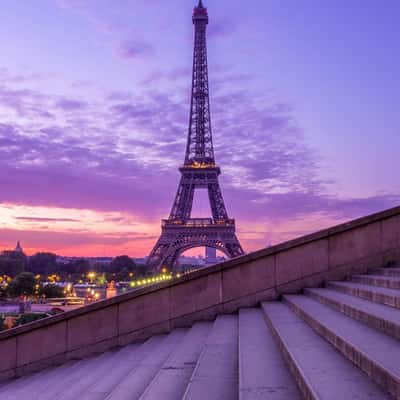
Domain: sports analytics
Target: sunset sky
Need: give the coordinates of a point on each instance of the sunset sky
(94, 108)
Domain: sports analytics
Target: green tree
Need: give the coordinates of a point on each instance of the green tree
(101, 279)
(79, 266)
(43, 263)
(52, 291)
(3, 292)
(141, 270)
(122, 262)
(23, 284)
(12, 263)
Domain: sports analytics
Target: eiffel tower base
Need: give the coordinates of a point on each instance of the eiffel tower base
(177, 238)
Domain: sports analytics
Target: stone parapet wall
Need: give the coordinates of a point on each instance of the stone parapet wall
(309, 261)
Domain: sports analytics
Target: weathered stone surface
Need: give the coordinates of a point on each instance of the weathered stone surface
(310, 259)
(145, 333)
(252, 277)
(186, 321)
(144, 311)
(391, 233)
(42, 344)
(263, 373)
(251, 300)
(196, 295)
(8, 354)
(381, 295)
(319, 370)
(41, 364)
(353, 245)
(377, 316)
(297, 285)
(89, 329)
(373, 352)
(93, 349)
(215, 376)
(390, 282)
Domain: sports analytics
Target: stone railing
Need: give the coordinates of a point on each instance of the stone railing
(245, 281)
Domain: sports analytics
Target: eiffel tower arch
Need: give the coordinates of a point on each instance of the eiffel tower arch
(181, 232)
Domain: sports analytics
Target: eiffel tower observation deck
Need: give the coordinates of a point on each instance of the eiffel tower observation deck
(180, 231)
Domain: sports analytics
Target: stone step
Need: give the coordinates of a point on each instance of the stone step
(171, 381)
(50, 386)
(134, 384)
(390, 282)
(33, 384)
(18, 384)
(263, 373)
(94, 374)
(390, 297)
(100, 389)
(319, 370)
(377, 354)
(216, 373)
(392, 271)
(377, 316)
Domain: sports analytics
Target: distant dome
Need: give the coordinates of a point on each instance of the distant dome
(18, 248)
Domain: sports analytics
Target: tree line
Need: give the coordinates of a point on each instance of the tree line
(24, 276)
(45, 264)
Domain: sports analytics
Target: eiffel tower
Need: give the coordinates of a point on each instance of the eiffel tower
(180, 232)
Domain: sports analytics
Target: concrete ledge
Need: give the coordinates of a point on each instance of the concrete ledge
(245, 281)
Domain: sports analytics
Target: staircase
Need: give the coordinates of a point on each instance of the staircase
(338, 342)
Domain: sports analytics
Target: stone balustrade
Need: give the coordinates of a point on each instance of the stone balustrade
(331, 254)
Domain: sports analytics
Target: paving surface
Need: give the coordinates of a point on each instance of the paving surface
(339, 342)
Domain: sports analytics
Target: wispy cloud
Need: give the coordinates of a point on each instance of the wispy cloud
(43, 219)
(132, 48)
(121, 154)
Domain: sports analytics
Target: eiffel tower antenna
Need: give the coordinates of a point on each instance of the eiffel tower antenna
(180, 232)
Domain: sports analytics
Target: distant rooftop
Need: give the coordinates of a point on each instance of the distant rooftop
(18, 248)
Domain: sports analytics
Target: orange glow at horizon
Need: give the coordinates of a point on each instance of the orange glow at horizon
(74, 232)
(90, 233)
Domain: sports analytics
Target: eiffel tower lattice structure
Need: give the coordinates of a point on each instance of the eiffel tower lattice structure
(180, 232)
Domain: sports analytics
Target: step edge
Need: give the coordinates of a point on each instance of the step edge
(302, 382)
(393, 387)
(380, 324)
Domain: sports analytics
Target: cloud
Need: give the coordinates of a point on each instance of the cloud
(71, 105)
(122, 153)
(75, 243)
(40, 219)
(132, 48)
(221, 28)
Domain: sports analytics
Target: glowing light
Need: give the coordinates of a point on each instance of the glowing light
(91, 275)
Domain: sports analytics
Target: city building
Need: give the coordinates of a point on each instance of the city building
(18, 248)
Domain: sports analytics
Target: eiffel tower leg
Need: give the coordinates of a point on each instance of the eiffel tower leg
(217, 202)
(158, 254)
(234, 248)
(183, 201)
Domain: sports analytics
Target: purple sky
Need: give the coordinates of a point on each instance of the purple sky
(94, 111)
